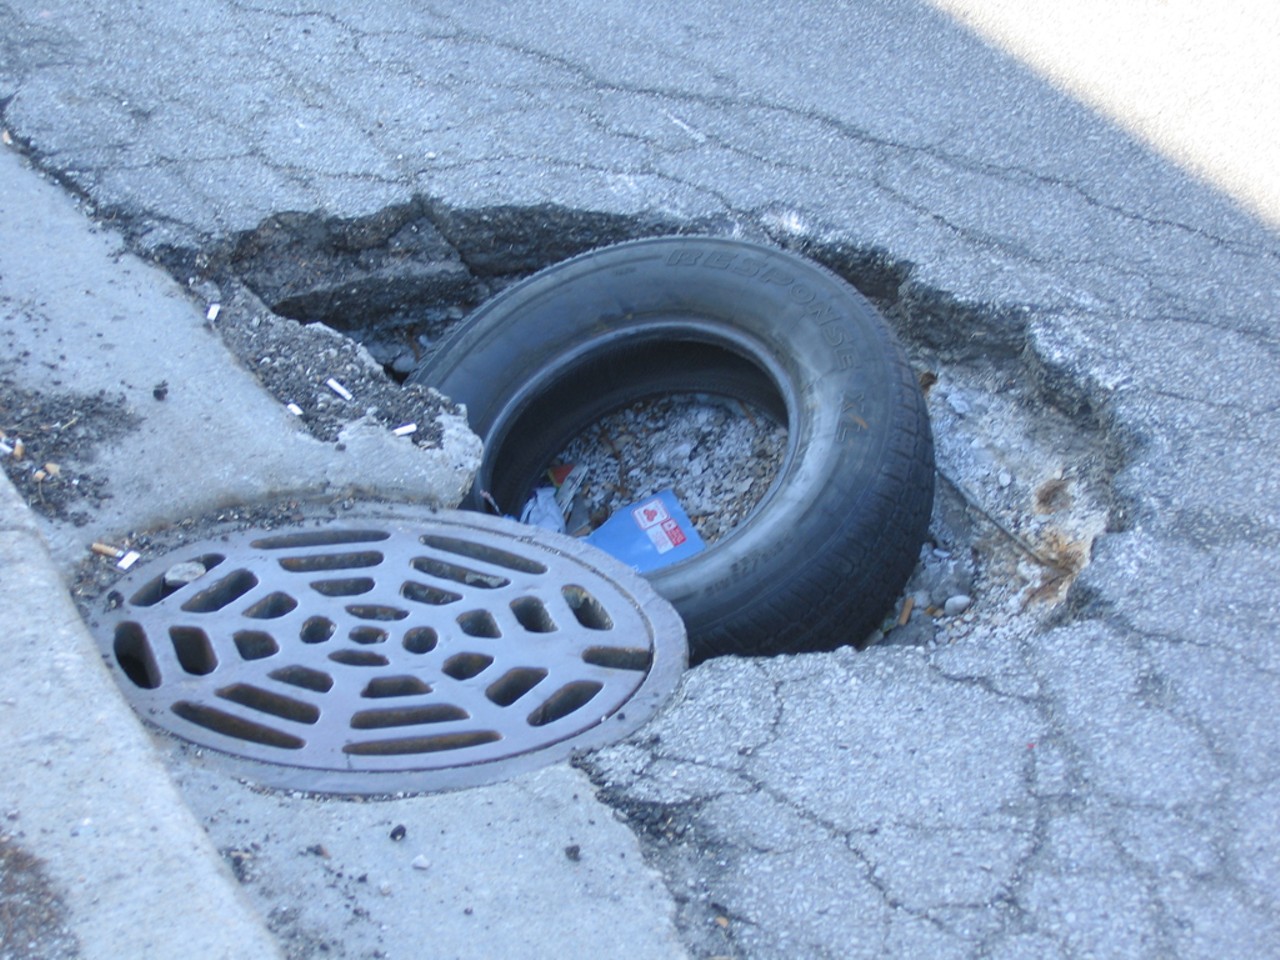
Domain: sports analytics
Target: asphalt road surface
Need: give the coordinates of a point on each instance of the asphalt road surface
(1094, 778)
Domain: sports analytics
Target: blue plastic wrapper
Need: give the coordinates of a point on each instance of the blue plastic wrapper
(651, 534)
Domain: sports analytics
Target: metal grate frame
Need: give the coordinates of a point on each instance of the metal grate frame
(395, 650)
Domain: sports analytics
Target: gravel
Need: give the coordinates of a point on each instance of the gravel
(719, 456)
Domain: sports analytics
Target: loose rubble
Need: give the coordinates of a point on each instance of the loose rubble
(719, 456)
(324, 377)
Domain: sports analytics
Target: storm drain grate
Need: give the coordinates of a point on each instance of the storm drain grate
(383, 654)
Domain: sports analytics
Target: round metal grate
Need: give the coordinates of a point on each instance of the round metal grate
(392, 652)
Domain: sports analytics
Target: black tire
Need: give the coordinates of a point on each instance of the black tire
(831, 544)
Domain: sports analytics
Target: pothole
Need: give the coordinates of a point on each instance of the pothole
(1024, 494)
(1024, 486)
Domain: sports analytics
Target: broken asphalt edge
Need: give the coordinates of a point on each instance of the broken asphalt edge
(85, 791)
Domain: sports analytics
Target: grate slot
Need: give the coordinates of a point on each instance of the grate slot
(345, 587)
(156, 589)
(359, 658)
(464, 666)
(479, 623)
(407, 716)
(410, 745)
(229, 725)
(532, 615)
(193, 649)
(303, 677)
(255, 645)
(271, 606)
(484, 553)
(619, 658)
(264, 701)
(375, 611)
(572, 696)
(588, 611)
(423, 593)
(227, 590)
(317, 630)
(394, 687)
(463, 575)
(318, 538)
(368, 635)
(135, 656)
(316, 562)
(514, 684)
(420, 639)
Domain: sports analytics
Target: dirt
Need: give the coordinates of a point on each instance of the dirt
(33, 919)
(48, 443)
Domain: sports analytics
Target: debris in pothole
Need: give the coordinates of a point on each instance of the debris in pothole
(718, 456)
(649, 535)
(543, 510)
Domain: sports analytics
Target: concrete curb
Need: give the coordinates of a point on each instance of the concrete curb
(85, 791)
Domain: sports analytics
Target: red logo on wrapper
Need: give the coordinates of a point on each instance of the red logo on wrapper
(659, 526)
(650, 514)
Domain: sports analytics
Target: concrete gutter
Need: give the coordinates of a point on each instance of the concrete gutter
(84, 790)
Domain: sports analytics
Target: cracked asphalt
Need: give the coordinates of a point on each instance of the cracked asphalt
(1098, 782)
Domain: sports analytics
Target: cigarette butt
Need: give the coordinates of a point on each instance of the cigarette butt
(907, 607)
(52, 469)
(338, 388)
(294, 409)
(106, 550)
(19, 449)
(212, 313)
(128, 560)
(405, 430)
(39, 476)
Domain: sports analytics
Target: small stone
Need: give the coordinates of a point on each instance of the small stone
(573, 852)
(384, 888)
(398, 831)
(957, 605)
(958, 404)
(1005, 478)
(181, 574)
(420, 862)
